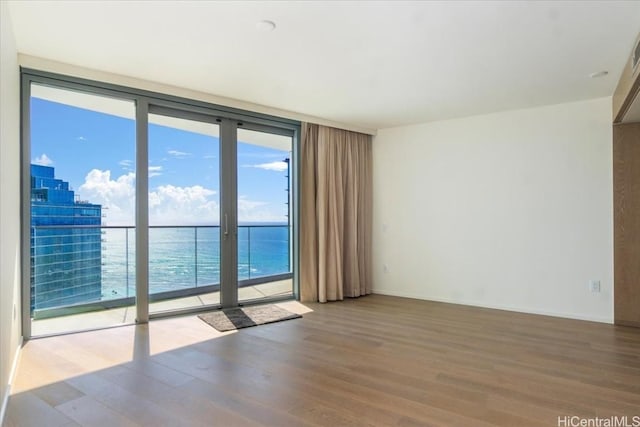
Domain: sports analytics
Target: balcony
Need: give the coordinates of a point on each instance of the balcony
(91, 269)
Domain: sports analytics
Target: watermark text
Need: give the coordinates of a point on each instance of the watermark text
(613, 421)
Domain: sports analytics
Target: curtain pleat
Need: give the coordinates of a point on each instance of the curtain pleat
(335, 223)
(308, 230)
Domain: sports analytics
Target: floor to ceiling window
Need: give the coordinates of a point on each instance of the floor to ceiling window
(139, 204)
(81, 198)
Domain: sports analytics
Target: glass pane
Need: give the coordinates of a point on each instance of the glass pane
(184, 213)
(82, 210)
(264, 226)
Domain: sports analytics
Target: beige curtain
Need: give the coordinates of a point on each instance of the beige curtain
(335, 214)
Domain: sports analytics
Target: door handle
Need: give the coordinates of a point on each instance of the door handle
(226, 225)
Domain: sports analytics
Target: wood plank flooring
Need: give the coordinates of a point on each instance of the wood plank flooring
(377, 360)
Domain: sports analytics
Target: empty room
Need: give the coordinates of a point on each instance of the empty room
(319, 213)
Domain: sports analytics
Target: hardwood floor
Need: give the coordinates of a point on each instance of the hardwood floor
(377, 360)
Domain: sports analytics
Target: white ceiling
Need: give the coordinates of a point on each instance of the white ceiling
(371, 64)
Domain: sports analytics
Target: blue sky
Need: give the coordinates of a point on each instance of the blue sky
(95, 153)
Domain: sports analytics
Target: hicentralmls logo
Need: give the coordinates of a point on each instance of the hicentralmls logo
(614, 421)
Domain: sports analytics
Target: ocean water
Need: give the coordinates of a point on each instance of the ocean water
(187, 257)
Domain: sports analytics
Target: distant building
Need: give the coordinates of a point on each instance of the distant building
(66, 256)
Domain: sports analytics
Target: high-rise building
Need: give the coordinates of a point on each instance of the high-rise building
(66, 248)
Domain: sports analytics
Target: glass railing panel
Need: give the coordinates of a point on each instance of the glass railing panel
(172, 260)
(82, 277)
(118, 263)
(269, 247)
(81, 265)
(76, 266)
(87, 269)
(244, 255)
(207, 255)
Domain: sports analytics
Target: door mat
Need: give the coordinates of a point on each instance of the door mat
(245, 317)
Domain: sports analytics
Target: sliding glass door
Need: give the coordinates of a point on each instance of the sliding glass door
(184, 212)
(139, 204)
(264, 162)
(206, 250)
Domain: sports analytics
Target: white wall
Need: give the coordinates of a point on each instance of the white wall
(10, 332)
(511, 210)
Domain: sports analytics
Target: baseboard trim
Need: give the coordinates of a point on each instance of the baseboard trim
(392, 292)
(12, 375)
(631, 323)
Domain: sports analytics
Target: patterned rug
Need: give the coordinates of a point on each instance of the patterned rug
(244, 317)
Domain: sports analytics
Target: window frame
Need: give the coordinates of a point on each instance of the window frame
(147, 102)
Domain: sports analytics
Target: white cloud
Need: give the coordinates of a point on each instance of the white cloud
(155, 171)
(168, 204)
(171, 205)
(118, 195)
(272, 166)
(43, 160)
(178, 154)
(271, 155)
(81, 138)
(256, 211)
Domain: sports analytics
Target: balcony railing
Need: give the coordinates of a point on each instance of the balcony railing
(75, 265)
